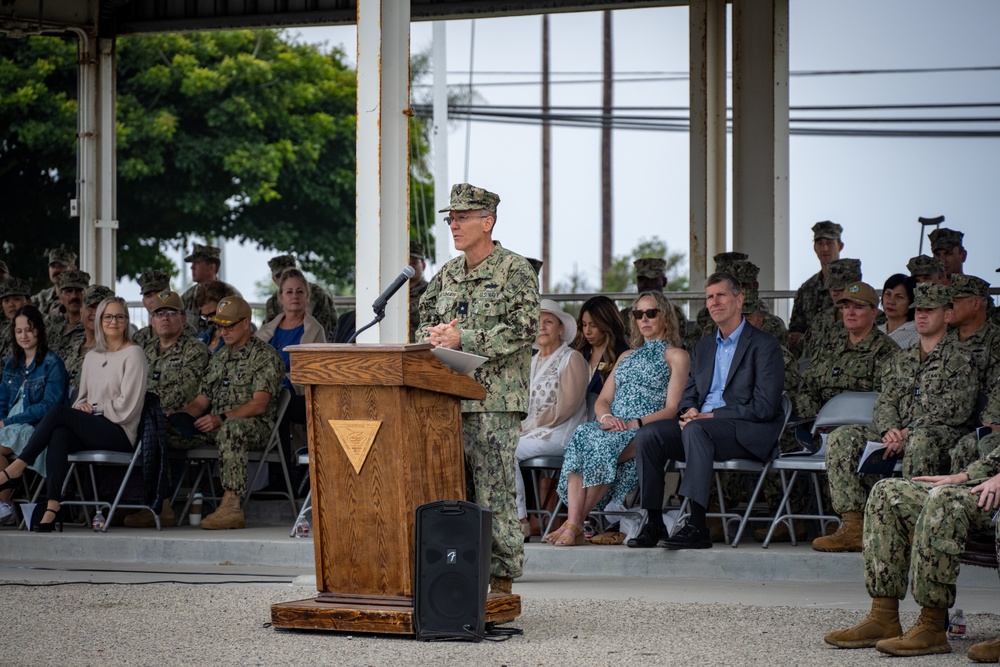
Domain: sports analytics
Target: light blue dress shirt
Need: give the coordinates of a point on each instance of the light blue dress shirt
(725, 348)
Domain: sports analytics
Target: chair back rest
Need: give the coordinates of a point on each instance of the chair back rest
(851, 407)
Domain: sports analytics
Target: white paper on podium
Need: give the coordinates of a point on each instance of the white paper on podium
(458, 361)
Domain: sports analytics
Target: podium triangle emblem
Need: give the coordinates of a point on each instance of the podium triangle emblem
(356, 438)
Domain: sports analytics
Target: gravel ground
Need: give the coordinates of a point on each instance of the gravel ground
(161, 624)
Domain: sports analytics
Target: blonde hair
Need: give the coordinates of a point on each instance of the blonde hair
(667, 318)
(100, 342)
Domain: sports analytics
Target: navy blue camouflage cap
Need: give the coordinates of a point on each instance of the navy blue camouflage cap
(745, 271)
(154, 281)
(724, 260)
(843, 272)
(932, 295)
(965, 285)
(417, 250)
(11, 286)
(945, 239)
(204, 253)
(827, 230)
(650, 267)
(95, 294)
(280, 263)
(922, 265)
(61, 255)
(466, 197)
(73, 278)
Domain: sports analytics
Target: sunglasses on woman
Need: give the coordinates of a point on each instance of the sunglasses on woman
(650, 313)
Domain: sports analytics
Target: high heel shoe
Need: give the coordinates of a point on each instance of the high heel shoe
(57, 522)
(10, 481)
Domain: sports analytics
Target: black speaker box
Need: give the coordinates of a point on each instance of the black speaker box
(452, 570)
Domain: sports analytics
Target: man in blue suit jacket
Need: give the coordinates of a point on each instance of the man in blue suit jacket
(731, 409)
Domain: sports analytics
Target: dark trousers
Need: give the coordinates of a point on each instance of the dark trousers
(64, 431)
(295, 413)
(700, 444)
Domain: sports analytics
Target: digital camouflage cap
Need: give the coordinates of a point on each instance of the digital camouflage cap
(744, 271)
(966, 285)
(931, 295)
(466, 197)
(417, 250)
(945, 239)
(827, 230)
(860, 293)
(62, 255)
(154, 281)
(11, 286)
(73, 278)
(922, 265)
(752, 303)
(204, 253)
(168, 300)
(280, 263)
(95, 294)
(843, 272)
(650, 267)
(724, 259)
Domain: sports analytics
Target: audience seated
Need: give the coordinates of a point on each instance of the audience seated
(600, 338)
(971, 328)
(897, 295)
(320, 302)
(105, 416)
(207, 296)
(925, 403)
(829, 322)
(63, 326)
(34, 382)
(14, 294)
(557, 402)
(151, 283)
(926, 269)
(74, 353)
(812, 297)
(646, 385)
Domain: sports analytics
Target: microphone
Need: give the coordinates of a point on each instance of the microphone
(384, 297)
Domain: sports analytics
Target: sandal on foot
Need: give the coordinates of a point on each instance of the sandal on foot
(571, 536)
(609, 537)
(554, 535)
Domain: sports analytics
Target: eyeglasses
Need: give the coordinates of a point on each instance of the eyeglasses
(463, 218)
(167, 313)
(207, 316)
(650, 313)
(230, 327)
(108, 319)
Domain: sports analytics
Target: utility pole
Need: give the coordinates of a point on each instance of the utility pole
(606, 221)
(546, 160)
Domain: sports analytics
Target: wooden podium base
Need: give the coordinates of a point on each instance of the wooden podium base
(367, 614)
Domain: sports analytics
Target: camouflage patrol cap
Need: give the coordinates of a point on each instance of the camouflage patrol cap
(650, 267)
(167, 300)
(827, 230)
(417, 250)
(860, 293)
(931, 295)
(752, 303)
(725, 259)
(61, 255)
(922, 265)
(744, 270)
(95, 294)
(280, 263)
(204, 253)
(945, 239)
(73, 278)
(231, 310)
(536, 264)
(843, 272)
(965, 285)
(465, 197)
(154, 281)
(11, 286)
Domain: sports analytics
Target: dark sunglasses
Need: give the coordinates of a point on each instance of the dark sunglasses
(650, 313)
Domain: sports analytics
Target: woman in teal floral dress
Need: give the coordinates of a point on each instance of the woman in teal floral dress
(647, 383)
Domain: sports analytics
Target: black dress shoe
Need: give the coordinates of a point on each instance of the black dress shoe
(647, 537)
(688, 537)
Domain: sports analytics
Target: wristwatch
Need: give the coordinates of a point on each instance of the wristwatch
(222, 416)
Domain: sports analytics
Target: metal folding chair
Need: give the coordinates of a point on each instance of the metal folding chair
(104, 457)
(303, 460)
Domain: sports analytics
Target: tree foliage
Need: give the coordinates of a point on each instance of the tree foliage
(245, 135)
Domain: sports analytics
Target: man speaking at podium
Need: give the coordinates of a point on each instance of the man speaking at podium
(486, 302)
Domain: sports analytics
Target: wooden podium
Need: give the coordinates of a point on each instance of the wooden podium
(385, 436)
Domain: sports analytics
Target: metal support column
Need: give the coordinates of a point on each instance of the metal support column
(707, 28)
(442, 188)
(105, 264)
(383, 163)
(760, 136)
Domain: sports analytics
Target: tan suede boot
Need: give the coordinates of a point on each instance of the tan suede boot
(847, 537)
(927, 635)
(882, 622)
(501, 584)
(144, 518)
(229, 515)
(985, 651)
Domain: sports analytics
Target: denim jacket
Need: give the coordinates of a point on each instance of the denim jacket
(45, 387)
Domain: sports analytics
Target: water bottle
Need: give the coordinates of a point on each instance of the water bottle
(98, 522)
(194, 516)
(958, 627)
(301, 527)
(588, 529)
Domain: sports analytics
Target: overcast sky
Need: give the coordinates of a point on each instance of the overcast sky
(875, 187)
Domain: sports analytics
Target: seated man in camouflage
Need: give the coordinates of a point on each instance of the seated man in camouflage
(76, 349)
(176, 362)
(919, 527)
(925, 402)
(971, 327)
(320, 302)
(14, 294)
(64, 327)
(926, 269)
(856, 356)
(829, 323)
(47, 300)
(151, 283)
(236, 404)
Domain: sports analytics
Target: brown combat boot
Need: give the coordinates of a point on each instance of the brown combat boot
(927, 635)
(847, 537)
(229, 515)
(144, 518)
(881, 623)
(501, 584)
(985, 651)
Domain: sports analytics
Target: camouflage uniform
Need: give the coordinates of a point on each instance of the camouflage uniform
(933, 399)
(970, 448)
(46, 301)
(811, 299)
(175, 376)
(59, 339)
(10, 287)
(497, 306)
(416, 291)
(825, 326)
(922, 265)
(914, 526)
